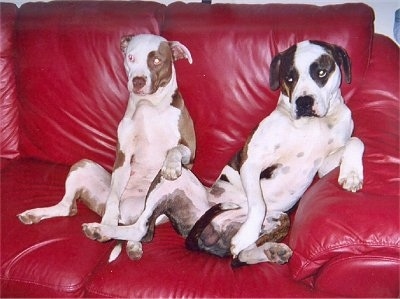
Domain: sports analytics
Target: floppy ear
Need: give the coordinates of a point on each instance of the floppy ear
(179, 51)
(274, 72)
(124, 42)
(343, 60)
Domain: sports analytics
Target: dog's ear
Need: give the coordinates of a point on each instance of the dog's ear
(124, 42)
(343, 60)
(274, 72)
(179, 51)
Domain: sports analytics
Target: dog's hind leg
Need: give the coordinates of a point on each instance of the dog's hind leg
(267, 248)
(272, 252)
(86, 180)
(183, 201)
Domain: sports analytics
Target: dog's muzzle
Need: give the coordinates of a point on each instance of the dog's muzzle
(138, 83)
(305, 107)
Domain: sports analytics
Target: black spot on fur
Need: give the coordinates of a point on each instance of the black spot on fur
(224, 178)
(268, 172)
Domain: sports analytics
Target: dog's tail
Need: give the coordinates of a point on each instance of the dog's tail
(192, 240)
(115, 252)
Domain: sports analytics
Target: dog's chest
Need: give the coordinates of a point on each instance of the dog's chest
(151, 134)
(154, 133)
(294, 153)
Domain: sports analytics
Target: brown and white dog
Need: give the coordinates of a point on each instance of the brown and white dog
(308, 133)
(156, 133)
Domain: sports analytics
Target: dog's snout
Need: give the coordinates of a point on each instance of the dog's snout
(304, 106)
(138, 83)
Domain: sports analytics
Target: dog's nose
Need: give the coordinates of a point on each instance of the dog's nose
(304, 106)
(138, 83)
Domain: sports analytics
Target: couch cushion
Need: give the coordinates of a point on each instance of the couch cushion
(232, 47)
(167, 269)
(72, 83)
(8, 90)
(52, 258)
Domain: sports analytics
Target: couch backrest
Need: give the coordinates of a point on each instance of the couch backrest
(71, 82)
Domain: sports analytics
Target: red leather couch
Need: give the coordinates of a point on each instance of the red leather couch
(63, 92)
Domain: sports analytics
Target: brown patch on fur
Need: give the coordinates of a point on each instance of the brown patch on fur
(278, 233)
(161, 72)
(217, 191)
(154, 183)
(268, 172)
(243, 153)
(283, 73)
(185, 125)
(286, 89)
(177, 207)
(119, 159)
(90, 201)
(235, 162)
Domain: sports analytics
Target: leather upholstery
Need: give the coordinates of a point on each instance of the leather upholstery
(63, 92)
(8, 91)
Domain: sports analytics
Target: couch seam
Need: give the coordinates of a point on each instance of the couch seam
(314, 256)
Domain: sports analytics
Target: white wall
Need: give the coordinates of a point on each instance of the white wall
(384, 9)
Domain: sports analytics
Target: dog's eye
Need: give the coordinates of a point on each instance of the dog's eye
(289, 79)
(131, 58)
(322, 73)
(157, 61)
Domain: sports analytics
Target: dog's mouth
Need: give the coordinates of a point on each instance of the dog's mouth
(302, 114)
(139, 92)
(305, 107)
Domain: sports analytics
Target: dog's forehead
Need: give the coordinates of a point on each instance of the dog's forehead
(144, 44)
(307, 53)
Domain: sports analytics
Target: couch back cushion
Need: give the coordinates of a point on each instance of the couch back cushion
(8, 91)
(72, 82)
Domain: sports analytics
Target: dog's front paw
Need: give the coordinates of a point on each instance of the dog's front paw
(171, 169)
(350, 181)
(134, 250)
(278, 253)
(96, 231)
(29, 217)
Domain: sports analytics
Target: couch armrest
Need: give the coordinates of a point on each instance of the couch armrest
(350, 242)
(8, 91)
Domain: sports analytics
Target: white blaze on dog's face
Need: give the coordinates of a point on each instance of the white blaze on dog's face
(149, 62)
(309, 77)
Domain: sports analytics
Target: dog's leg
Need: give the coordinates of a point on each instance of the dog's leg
(172, 167)
(86, 180)
(268, 252)
(267, 248)
(331, 162)
(351, 175)
(250, 230)
(173, 198)
(275, 228)
(157, 197)
(122, 170)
